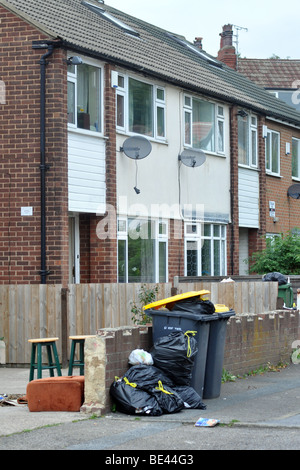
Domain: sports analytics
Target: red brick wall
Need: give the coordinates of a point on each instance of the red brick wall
(287, 209)
(251, 341)
(233, 228)
(176, 249)
(103, 249)
(20, 157)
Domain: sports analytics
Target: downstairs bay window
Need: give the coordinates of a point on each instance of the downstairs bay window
(205, 249)
(142, 250)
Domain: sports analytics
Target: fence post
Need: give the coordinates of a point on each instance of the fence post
(64, 327)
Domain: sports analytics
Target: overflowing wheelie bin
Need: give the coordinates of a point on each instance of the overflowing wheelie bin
(192, 312)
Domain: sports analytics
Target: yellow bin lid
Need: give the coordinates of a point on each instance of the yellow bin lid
(169, 302)
(221, 308)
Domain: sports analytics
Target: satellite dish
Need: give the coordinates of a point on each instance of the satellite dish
(136, 147)
(192, 158)
(294, 191)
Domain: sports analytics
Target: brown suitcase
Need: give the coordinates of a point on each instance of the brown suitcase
(56, 394)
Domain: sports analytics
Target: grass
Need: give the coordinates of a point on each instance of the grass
(228, 377)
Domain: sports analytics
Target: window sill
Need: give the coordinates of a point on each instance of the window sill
(273, 174)
(253, 168)
(294, 178)
(213, 154)
(151, 139)
(78, 130)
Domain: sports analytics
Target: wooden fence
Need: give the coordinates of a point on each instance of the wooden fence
(37, 311)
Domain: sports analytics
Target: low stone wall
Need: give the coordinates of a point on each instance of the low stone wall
(251, 341)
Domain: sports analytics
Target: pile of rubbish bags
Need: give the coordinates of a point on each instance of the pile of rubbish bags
(159, 382)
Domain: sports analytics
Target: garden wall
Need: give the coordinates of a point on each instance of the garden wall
(251, 341)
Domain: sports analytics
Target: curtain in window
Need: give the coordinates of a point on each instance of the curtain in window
(141, 251)
(295, 159)
(243, 140)
(275, 156)
(88, 97)
(203, 125)
(140, 107)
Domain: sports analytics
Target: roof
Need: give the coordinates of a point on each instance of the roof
(271, 73)
(151, 50)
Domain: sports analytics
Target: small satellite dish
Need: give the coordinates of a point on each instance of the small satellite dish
(294, 191)
(192, 158)
(136, 147)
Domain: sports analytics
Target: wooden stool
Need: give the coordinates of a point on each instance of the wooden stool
(80, 362)
(37, 345)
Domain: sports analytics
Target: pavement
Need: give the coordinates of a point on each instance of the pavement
(270, 401)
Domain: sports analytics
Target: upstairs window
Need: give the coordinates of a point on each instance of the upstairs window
(204, 125)
(273, 153)
(247, 140)
(141, 108)
(296, 158)
(84, 97)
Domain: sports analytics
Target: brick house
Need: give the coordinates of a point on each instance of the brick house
(281, 78)
(81, 79)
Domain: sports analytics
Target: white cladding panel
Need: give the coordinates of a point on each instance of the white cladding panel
(248, 198)
(87, 188)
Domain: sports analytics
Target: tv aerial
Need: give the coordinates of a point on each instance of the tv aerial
(294, 191)
(192, 158)
(137, 148)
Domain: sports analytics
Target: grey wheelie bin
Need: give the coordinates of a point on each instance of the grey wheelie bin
(215, 355)
(165, 322)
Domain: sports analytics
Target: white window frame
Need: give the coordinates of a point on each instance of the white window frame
(269, 168)
(123, 91)
(296, 141)
(72, 78)
(188, 118)
(197, 236)
(160, 237)
(251, 151)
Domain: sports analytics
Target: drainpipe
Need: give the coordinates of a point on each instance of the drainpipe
(43, 167)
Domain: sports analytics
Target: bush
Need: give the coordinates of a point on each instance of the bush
(146, 296)
(282, 254)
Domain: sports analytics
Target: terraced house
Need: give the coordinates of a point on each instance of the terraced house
(128, 154)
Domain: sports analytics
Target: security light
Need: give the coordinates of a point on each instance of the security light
(76, 60)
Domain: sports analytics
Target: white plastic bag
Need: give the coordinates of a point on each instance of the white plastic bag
(139, 356)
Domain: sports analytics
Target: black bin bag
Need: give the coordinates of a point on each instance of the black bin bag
(130, 399)
(275, 277)
(190, 397)
(194, 305)
(168, 400)
(175, 354)
(147, 377)
(155, 382)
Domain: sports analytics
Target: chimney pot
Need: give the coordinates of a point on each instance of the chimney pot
(198, 42)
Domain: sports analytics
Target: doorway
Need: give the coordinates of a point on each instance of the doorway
(74, 249)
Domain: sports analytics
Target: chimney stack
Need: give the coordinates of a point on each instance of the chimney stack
(227, 53)
(198, 43)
